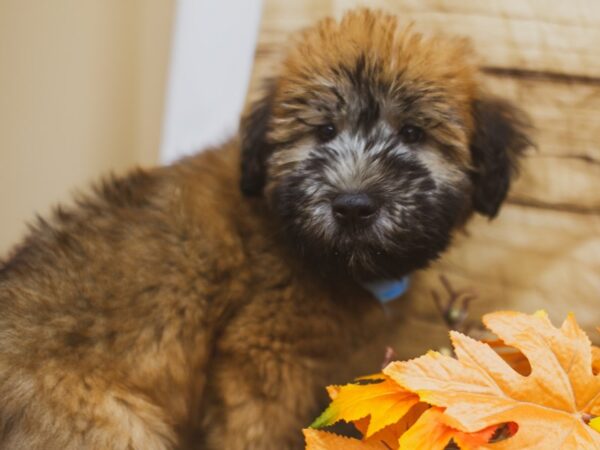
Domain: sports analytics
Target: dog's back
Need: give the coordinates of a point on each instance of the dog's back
(103, 320)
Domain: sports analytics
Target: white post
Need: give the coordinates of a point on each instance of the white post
(211, 60)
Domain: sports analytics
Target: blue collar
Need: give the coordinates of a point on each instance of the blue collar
(387, 290)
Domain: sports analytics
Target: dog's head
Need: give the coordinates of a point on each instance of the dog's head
(374, 143)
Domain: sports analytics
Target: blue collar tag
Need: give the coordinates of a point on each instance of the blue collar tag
(387, 290)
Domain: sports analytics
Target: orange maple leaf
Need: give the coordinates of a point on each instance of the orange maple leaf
(520, 363)
(479, 389)
(383, 411)
(384, 401)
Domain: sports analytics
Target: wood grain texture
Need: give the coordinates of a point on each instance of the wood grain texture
(564, 171)
(543, 251)
(528, 259)
(550, 36)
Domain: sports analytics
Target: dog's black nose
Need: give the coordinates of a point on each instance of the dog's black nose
(354, 208)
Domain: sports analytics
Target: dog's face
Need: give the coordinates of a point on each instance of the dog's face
(373, 144)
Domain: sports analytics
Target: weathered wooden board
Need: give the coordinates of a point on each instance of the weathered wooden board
(564, 171)
(543, 251)
(548, 36)
(527, 259)
(552, 37)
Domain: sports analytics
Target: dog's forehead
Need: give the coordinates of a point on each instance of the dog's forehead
(368, 58)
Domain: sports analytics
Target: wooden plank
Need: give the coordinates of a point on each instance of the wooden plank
(527, 259)
(564, 171)
(565, 114)
(559, 183)
(551, 36)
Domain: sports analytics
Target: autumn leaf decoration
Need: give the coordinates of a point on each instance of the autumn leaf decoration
(536, 387)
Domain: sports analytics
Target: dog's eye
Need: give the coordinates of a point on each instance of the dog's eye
(411, 134)
(326, 132)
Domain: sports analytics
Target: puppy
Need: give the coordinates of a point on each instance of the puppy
(172, 309)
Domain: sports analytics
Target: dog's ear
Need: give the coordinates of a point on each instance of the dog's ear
(255, 148)
(500, 137)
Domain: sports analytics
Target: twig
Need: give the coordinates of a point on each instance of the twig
(454, 307)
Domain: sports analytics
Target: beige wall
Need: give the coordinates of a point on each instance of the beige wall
(81, 93)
